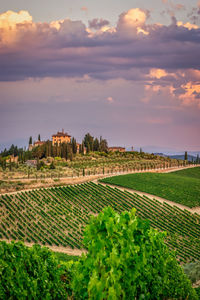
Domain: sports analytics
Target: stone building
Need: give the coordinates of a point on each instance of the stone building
(115, 149)
(60, 137)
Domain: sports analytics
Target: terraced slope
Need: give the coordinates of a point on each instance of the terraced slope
(57, 216)
(181, 186)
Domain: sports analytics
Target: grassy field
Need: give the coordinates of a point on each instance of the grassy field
(192, 173)
(181, 187)
(57, 217)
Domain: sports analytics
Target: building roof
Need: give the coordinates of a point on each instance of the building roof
(39, 143)
(116, 148)
(61, 134)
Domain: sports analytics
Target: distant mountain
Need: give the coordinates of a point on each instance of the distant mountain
(160, 154)
(182, 156)
(178, 156)
(164, 150)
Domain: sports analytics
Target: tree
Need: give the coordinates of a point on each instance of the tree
(74, 145)
(81, 148)
(103, 145)
(88, 142)
(186, 156)
(96, 144)
(88, 147)
(39, 151)
(52, 166)
(127, 259)
(3, 162)
(30, 140)
(39, 137)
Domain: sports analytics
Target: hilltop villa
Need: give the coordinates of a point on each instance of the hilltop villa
(115, 149)
(60, 137)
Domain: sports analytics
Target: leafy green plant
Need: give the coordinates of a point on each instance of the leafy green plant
(127, 260)
(30, 273)
(192, 270)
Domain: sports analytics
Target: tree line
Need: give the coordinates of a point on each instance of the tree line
(64, 150)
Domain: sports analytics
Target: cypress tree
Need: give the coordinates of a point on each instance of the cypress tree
(96, 144)
(74, 145)
(186, 156)
(30, 140)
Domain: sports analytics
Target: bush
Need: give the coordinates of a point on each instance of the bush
(52, 166)
(192, 270)
(127, 260)
(30, 273)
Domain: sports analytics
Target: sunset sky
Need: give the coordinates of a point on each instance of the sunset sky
(126, 70)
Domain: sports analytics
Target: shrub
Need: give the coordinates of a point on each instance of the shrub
(30, 273)
(127, 260)
(192, 270)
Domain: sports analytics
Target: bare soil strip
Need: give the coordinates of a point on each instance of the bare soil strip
(66, 250)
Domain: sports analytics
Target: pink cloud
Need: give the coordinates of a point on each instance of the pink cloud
(165, 59)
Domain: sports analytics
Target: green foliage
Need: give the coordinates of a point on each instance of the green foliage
(186, 156)
(198, 291)
(181, 186)
(30, 140)
(40, 165)
(191, 172)
(52, 166)
(88, 142)
(63, 257)
(192, 270)
(74, 145)
(96, 144)
(127, 260)
(30, 273)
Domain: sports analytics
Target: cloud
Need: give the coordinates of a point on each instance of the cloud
(191, 94)
(9, 25)
(11, 19)
(187, 25)
(110, 99)
(194, 14)
(163, 58)
(157, 73)
(98, 23)
(173, 7)
(133, 21)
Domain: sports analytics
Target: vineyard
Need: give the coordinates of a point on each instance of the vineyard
(182, 186)
(57, 216)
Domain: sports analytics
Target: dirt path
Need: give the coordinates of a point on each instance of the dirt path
(191, 210)
(78, 180)
(66, 250)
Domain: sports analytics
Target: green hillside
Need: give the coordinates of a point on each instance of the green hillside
(191, 172)
(181, 187)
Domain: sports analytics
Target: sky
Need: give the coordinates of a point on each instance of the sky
(125, 70)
